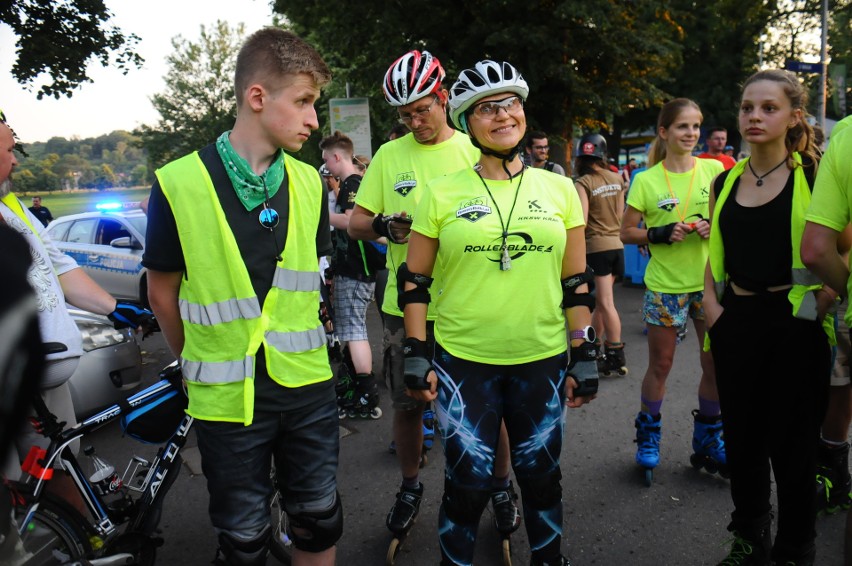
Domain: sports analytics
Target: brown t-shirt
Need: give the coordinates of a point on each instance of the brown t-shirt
(605, 193)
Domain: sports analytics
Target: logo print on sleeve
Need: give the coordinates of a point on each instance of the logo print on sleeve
(405, 183)
(473, 209)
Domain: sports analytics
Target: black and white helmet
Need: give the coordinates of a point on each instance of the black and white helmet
(411, 77)
(592, 145)
(485, 78)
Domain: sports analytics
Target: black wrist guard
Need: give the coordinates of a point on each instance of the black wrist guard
(661, 234)
(380, 226)
(584, 369)
(417, 365)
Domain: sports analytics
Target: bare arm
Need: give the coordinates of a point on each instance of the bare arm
(422, 252)
(630, 231)
(584, 201)
(360, 225)
(340, 221)
(820, 254)
(163, 288)
(82, 292)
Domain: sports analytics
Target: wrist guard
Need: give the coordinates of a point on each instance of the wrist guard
(584, 369)
(129, 315)
(381, 226)
(417, 365)
(661, 234)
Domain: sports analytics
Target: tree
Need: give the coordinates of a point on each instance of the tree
(585, 61)
(198, 103)
(58, 38)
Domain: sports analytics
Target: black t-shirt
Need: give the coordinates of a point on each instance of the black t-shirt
(346, 258)
(258, 248)
(42, 213)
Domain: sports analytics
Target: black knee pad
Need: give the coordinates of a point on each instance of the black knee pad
(543, 491)
(323, 528)
(464, 505)
(252, 552)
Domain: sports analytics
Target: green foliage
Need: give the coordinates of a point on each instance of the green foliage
(198, 103)
(58, 38)
(112, 160)
(585, 61)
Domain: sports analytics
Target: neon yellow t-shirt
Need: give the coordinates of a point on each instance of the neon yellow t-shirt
(485, 314)
(679, 267)
(395, 181)
(832, 197)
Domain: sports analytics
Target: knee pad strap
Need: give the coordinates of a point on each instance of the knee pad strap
(251, 552)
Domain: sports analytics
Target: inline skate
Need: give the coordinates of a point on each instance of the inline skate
(751, 545)
(612, 360)
(834, 484)
(708, 446)
(401, 518)
(648, 432)
(507, 519)
(365, 397)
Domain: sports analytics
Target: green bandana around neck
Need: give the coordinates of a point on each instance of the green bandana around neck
(248, 185)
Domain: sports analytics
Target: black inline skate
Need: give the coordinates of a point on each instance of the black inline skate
(365, 398)
(612, 360)
(401, 518)
(507, 519)
(834, 484)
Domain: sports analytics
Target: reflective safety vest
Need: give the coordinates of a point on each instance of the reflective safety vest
(15, 206)
(805, 284)
(223, 322)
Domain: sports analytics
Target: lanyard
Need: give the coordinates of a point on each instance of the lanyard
(675, 200)
(505, 260)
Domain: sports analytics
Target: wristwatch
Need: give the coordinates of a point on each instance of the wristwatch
(588, 334)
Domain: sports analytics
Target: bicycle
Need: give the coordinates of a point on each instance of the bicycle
(125, 511)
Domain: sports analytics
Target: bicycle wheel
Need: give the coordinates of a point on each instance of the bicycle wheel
(56, 534)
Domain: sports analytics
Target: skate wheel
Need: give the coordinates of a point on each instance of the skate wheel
(341, 414)
(376, 413)
(695, 460)
(649, 477)
(622, 372)
(507, 552)
(393, 550)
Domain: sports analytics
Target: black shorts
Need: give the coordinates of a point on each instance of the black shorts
(610, 262)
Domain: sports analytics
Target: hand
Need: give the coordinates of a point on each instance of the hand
(712, 311)
(425, 395)
(395, 228)
(702, 227)
(130, 315)
(582, 382)
(421, 382)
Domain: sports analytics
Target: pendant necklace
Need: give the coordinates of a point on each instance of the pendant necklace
(675, 200)
(760, 178)
(505, 260)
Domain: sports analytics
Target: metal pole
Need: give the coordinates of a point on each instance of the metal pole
(347, 90)
(823, 66)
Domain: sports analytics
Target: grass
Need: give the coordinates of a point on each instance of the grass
(64, 203)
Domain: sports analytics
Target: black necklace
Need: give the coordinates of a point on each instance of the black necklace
(760, 178)
(505, 260)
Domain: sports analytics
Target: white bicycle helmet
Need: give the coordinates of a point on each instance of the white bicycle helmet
(485, 78)
(411, 77)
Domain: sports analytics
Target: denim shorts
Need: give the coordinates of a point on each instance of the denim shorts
(236, 461)
(351, 298)
(672, 309)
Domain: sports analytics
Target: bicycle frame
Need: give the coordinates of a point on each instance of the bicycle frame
(154, 487)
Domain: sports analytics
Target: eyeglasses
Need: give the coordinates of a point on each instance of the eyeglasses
(420, 113)
(541, 147)
(512, 105)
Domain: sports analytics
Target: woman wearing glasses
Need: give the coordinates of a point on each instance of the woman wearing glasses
(502, 234)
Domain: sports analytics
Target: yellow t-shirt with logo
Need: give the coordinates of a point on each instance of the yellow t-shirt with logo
(395, 181)
(485, 314)
(683, 197)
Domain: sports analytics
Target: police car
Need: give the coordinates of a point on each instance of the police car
(108, 245)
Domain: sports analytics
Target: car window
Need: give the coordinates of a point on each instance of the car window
(108, 230)
(59, 230)
(81, 231)
(138, 222)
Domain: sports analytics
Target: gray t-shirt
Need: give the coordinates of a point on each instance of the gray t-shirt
(49, 263)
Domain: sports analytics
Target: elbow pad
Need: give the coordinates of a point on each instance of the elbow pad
(420, 294)
(570, 297)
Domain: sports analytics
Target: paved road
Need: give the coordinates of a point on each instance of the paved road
(610, 516)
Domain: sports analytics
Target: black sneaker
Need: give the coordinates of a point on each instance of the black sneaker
(402, 515)
(507, 519)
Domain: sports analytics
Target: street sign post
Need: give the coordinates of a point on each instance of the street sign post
(802, 67)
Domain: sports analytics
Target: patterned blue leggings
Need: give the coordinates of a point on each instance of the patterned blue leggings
(472, 400)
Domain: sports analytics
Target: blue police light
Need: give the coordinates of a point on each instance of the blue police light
(105, 206)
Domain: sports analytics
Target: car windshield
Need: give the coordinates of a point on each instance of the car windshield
(139, 222)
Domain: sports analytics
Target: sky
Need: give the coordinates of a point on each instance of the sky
(115, 101)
